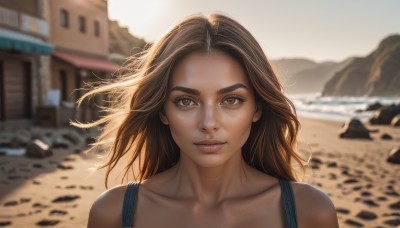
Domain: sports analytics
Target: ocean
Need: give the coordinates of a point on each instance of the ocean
(337, 108)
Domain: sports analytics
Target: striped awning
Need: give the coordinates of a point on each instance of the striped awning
(16, 41)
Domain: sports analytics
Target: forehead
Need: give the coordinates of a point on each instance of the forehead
(208, 70)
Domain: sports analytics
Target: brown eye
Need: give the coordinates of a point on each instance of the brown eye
(232, 101)
(185, 102)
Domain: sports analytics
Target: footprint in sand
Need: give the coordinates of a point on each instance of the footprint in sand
(46, 222)
(58, 212)
(370, 203)
(67, 198)
(395, 206)
(86, 187)
(64, 167)
(39, 205)
(69, 159)
(392, 222)
(70, 187)
(10, 203)
(343, 210)
(5, 223)
(24, 200)
(353, 223)
(64, 178)
(350, 181)
(381, 198)
(37, 166)
(366, 215)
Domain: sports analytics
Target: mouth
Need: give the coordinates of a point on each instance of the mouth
(210, 146)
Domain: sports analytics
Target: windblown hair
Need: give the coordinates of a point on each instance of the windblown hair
(132, 126)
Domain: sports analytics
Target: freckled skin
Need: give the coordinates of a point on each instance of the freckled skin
(212, 189)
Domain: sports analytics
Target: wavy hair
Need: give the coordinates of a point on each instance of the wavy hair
(132, 126)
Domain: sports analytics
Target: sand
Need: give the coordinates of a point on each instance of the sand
(58, 191)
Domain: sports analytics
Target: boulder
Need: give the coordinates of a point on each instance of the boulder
(38, 149)
(386, 137)
(394, 156)
(354, 128)
(395, 121)
(61, 142)
(75, 138)
(373, 107)
(385, 114)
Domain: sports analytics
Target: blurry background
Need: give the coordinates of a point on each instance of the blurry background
(339, 62)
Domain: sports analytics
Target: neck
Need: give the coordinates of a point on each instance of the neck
(210, 185)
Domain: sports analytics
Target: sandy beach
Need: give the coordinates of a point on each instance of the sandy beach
(58, 191)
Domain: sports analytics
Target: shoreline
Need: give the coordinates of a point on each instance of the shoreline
(354, 174)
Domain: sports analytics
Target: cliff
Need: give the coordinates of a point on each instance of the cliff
(377, 74)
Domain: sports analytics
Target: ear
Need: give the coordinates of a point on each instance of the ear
(163, 117)
(257, 114)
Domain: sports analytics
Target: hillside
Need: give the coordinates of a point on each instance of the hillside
(312, 80)
(122, 43)
(377, 74)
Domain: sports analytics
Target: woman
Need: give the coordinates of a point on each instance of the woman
(203, 116)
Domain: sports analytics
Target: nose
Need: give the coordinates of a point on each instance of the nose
(209, 121)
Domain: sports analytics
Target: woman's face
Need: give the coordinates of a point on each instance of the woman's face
(210, 108)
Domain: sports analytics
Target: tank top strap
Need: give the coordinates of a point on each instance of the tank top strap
(289, 204)
(130, 198)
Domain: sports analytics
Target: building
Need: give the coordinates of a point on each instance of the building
(79, 33)
(23, 62)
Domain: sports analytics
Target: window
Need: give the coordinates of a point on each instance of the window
(82, 24)
(96, 28)
(64, 20)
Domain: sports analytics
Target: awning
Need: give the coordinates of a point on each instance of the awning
(11, 40)
(87, 62)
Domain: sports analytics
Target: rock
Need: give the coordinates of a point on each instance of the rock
(90, 140)
(60, 142)
(374, 106)
(75, 138)
(366, 215)
(394, 156)
(19, 141)
(385, 114)
(354, 128)
(386, 137)
(38, 149)
(395, 121)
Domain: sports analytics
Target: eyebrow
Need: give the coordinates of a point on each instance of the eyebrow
(219, 92)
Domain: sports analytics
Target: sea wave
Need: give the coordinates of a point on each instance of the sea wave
(337, 108)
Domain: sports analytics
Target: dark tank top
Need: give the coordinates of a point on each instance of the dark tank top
(287, 197)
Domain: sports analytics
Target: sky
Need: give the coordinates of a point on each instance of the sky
(320, 30)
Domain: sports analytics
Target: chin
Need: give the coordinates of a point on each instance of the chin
(210, 161)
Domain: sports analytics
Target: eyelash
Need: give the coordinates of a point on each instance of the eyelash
(237, 97)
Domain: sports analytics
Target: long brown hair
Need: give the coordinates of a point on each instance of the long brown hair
(133, 129)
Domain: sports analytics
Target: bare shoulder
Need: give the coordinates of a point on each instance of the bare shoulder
(106, 211)
(314, 207)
